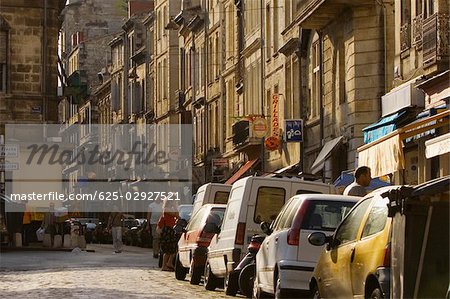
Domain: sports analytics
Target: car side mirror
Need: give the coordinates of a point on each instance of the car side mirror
(211, 228)
(319, 239)
(266, 228)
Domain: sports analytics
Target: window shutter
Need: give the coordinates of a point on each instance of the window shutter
(3, 46)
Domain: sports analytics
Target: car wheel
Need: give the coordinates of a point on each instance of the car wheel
(315, 292)
(279, 292)
(196, 274)
(246, 279)
(376, 294)
(231, 286)
(180, 271)
(211, 281)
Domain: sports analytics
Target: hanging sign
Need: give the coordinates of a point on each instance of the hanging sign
(293, 130)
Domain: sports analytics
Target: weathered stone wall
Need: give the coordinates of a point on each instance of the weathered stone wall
(98, 21)
(352, 83)
(31, 86)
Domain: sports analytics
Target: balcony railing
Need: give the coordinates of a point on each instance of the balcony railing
(405, 37)
(435, 39)
(417, 31)
(241, 132)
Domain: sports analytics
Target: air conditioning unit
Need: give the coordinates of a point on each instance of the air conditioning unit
(405, 95)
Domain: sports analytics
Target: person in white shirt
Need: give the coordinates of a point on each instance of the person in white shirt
(362, 180)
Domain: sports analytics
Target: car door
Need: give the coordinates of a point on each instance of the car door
(271, 251)
(369, 251)
(334, 276)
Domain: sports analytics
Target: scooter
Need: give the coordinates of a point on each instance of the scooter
(246, 269)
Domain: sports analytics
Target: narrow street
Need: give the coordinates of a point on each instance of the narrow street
(100, 274)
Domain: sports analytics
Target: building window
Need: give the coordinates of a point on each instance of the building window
(252, 16)
(276, 34)
(268, 43)
(288, 79)
(216, 57)
(166, 20)
(230, 32)
(165, 78)
(287, 12)
(315, 78)
(210, 60)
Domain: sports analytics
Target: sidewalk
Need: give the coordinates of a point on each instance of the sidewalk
(100, 255)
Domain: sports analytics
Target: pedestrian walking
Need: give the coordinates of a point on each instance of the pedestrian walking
(362, 180)
(49, 224)
(115, 226)
(153, 215)
(168, 237)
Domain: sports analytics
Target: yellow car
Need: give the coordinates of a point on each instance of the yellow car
(356, 260)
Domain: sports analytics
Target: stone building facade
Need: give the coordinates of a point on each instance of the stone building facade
(28, 61)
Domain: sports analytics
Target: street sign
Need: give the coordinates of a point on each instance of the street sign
(9, 150)
(259, 126)
(9, 166)
(293, 130)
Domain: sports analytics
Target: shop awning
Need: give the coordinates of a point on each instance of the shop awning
(437, 146)
(291, 169)
(385, 155)
(246, 167)
(324, 153)
(382, 127)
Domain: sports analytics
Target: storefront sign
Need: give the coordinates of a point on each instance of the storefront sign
(293, 130)
(259, 126)
(275, 116)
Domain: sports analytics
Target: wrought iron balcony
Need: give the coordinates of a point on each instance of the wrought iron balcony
(435, 43)
(417, 31)
(405, 37)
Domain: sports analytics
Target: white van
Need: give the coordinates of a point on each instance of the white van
(211, 193)
(252, 200)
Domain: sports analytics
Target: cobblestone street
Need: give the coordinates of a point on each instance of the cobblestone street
(132, 274)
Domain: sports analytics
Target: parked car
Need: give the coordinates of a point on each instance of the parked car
(211, 193)
(194, 242)
(252, 200)
(356, 259)
(420, 240)
(286, 260)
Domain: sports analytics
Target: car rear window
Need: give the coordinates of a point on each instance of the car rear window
(284, 219)
(326, 215)
(216, 216)
(196, 220)
(269, 202)
(221, 197)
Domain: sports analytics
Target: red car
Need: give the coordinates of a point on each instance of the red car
(194, 242)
